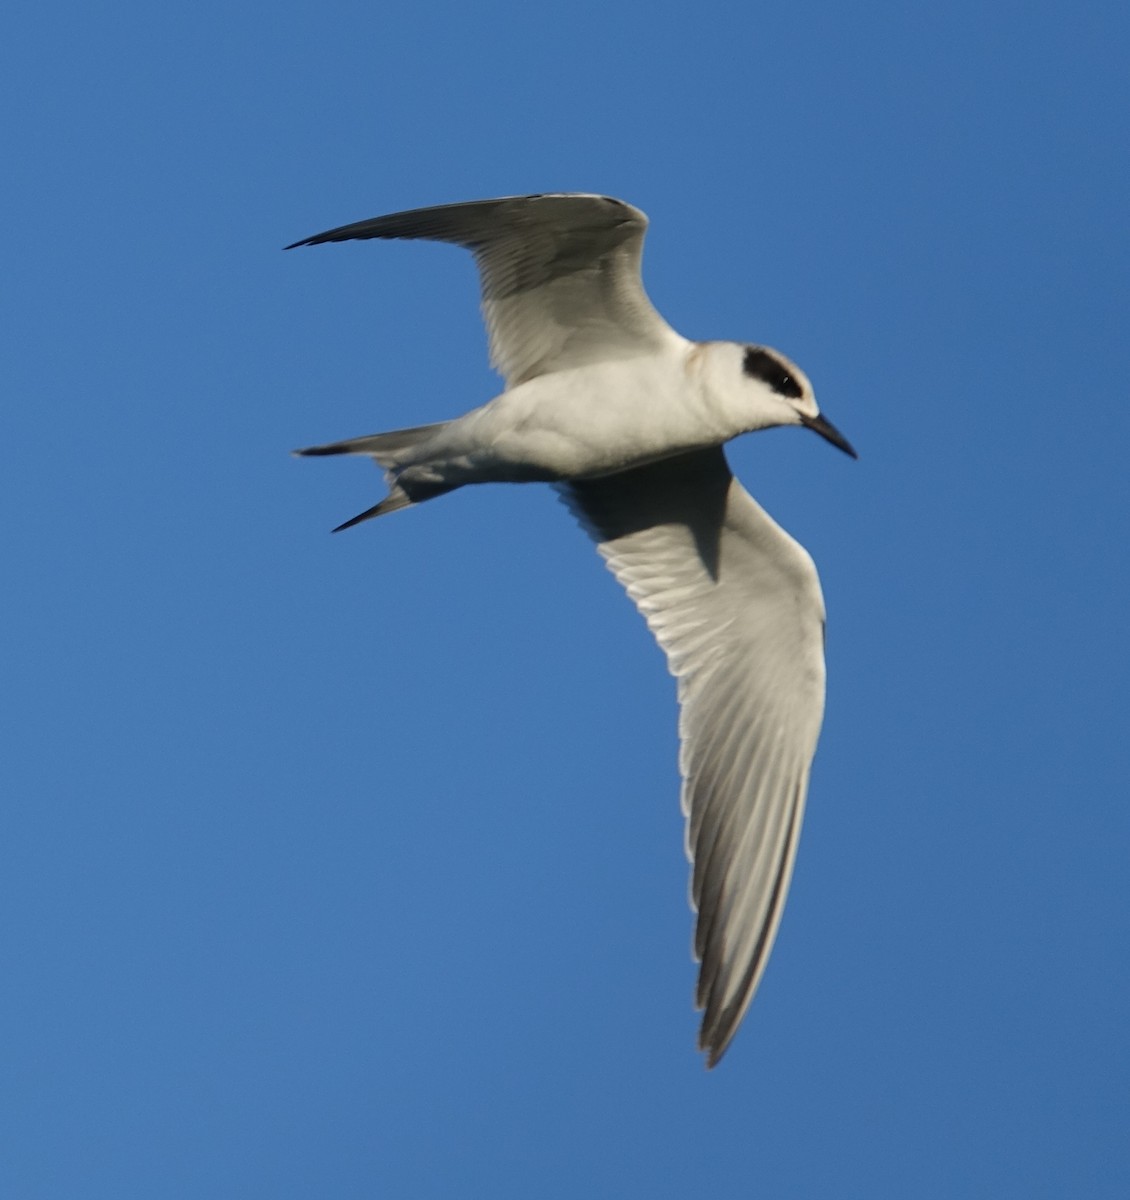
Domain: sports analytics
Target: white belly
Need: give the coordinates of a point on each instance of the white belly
(586, 421)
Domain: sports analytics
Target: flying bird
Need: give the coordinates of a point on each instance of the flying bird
(627, 419)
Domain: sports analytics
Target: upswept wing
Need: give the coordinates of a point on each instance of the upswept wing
(560, 275)
(736, 605)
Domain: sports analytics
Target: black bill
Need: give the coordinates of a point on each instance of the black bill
(827, 430)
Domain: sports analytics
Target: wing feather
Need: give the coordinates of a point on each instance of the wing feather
(560, 275)
(736, 605)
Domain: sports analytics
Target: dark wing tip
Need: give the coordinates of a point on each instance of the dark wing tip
(713, 1039)
(716, 1035)
(331, 235)
(456, 222)
(344, 233)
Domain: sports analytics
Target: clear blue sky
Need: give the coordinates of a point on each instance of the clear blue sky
(352, 866)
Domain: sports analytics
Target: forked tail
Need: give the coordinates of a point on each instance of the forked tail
(387, 450)
(384, 447)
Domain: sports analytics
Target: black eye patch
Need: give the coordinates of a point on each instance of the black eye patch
(759, 364)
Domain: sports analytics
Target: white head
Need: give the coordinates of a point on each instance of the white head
(760, 388)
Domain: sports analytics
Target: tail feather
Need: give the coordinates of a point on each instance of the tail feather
(396, 499)
(384, 447)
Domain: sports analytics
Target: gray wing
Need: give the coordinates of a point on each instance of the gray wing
(736, 605)
(560, 275)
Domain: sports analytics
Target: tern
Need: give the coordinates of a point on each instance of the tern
(627, 419)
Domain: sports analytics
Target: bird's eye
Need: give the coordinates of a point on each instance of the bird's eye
(760, 364)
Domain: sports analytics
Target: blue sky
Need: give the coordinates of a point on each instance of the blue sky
(352, 866)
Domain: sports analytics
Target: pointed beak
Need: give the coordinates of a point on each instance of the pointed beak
(828, 431)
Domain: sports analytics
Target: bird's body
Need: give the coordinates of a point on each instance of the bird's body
(560, 426)
(627, 418)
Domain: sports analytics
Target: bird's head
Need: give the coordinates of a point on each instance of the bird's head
(761, 388)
